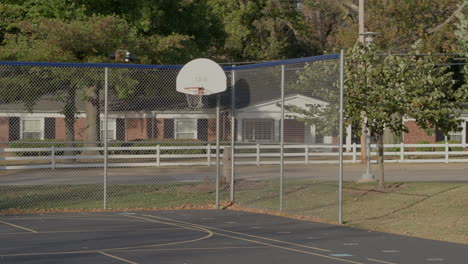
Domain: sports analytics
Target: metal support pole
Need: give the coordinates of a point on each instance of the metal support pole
(368, 152)
(362, 28)
(362, 37)
(217, 150)
(106, 88)
(282, 139)
(233, 130)
(153, 120)
(340, 184)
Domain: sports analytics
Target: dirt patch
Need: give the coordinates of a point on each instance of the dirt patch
(205, 187)
(58, 210)
(236, 207)
(364, 191)
(209, 187)
(244, 185)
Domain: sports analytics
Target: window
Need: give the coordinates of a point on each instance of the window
(455, 136)
(259, 129)
(32, 128)
(111, 129)
(185, 128)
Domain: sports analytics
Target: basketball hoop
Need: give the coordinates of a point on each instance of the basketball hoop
(198, 78)
(195, 90)
(194, 96)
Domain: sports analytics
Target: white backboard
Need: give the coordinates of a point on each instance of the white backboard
(201, 73)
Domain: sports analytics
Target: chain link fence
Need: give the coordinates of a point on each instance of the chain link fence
(113, 136)
(287, 118)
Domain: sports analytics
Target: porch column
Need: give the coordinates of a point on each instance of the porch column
(240, 127)
(464, 133)
(349, 137)
(277, 131)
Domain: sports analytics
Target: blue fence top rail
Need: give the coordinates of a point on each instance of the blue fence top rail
(176, 67)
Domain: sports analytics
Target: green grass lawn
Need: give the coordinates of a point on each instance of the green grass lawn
(431, 210)
(423, 209)
(118, 196)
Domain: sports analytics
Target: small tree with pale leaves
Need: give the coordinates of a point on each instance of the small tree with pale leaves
(388, 88)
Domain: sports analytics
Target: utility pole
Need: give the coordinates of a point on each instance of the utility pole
(366, 38)
(362, 39)
(362, 28)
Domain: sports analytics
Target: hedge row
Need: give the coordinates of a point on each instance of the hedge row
(140, 143)
(425, 149)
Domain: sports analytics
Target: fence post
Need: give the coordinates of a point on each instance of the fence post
(402, 151)
(306, 154)
(158, 155)
(340, 187)
(106, 121)
(354, 153)
(208, 153)
(282, 139)
(446, 152)
(258, 154)
(53, 157)
(233, 132)
(218, 151)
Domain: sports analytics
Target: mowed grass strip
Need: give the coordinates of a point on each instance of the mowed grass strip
(118, 196)
(430, 210)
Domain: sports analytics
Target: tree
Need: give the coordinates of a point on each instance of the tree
(260, 30)
(194, 19)
(319, 80)
(388, 88)
(462, 34)
(400, 23)
(87, 39)
(325, 19)
(90, 40)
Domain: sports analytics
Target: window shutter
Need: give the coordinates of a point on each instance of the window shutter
(202, 129)
(49, 128)
(150, 131)
(439, 136)
(120, 127)
(466, 132)
(14, 128)
(168, 128)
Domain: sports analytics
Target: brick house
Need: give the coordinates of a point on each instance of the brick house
(128, 120)
(417, 134)
(161, 119)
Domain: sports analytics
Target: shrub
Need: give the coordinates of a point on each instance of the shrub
(440, 148)
(455, 148)
(450, 148)
(423, 148)
(47, 143)
(154, 143)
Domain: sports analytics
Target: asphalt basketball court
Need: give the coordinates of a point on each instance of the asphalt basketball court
(206, 236)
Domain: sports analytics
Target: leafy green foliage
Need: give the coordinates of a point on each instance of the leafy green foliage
(398, 86)
(333, 24)
(318, 80)
(423, 149)
(260, 29)
(47, 143)
(462, 36)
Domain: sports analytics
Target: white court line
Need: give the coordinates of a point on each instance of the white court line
(17, 226)
(115, 257)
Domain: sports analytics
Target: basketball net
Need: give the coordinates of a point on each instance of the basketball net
(195, 100)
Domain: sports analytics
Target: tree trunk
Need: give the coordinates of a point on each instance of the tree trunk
(227, 165)
(380, 149)
(69, 111)
(91, 106)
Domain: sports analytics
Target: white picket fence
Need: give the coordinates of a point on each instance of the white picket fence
(252, 154)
